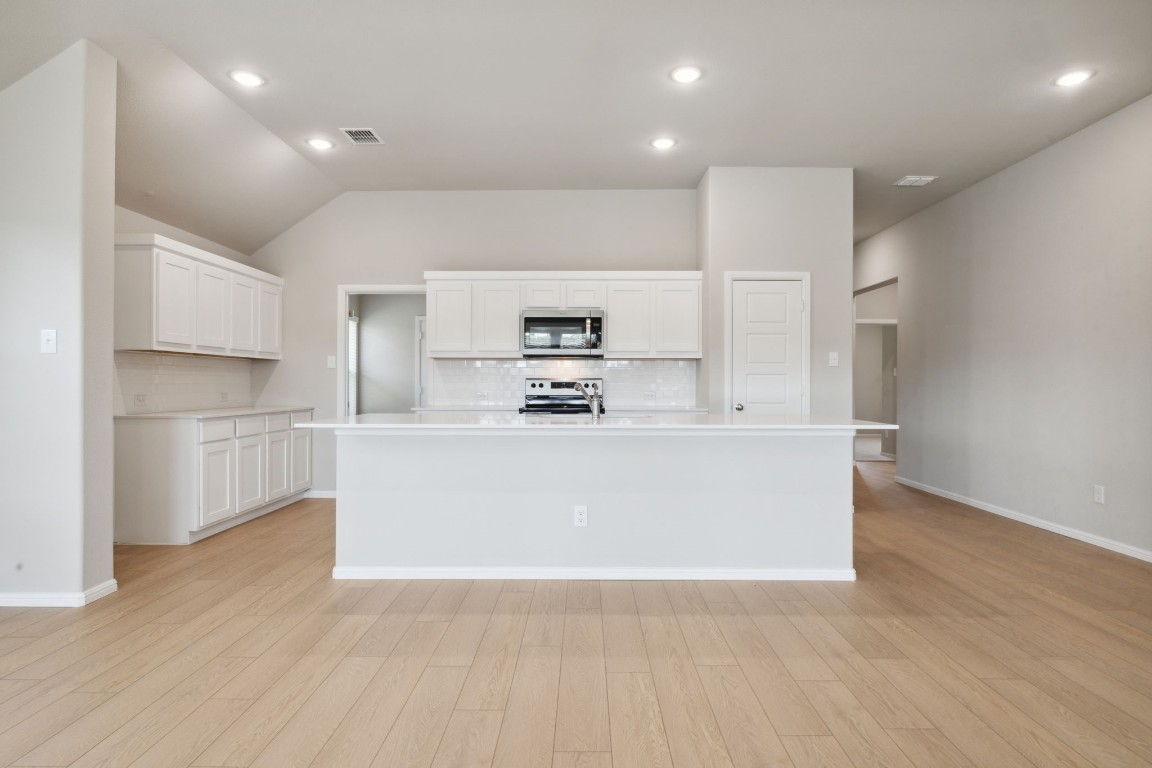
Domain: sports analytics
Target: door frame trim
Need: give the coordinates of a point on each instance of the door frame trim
(805, 279)
(342, 293)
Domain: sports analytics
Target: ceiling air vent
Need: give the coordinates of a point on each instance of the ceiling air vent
(361, 135)
(915, 181)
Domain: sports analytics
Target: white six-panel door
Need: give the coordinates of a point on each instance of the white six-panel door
(767, 346)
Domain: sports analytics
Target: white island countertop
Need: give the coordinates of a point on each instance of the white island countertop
(218, 413)
(655, 422)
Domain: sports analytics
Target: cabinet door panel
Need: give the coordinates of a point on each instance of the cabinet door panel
(496, 317)
(245, 314)
(217, 481)
(175, 300)
(583, 294)
(250, 474)
(279, 464)
(301, 460)
(677, 318)
(269, 319)
(540, 294)
(213, 307)
(628, 319)
(449, 316)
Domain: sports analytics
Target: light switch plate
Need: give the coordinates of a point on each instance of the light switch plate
(833, 359)
(48, 342)
(331, 361)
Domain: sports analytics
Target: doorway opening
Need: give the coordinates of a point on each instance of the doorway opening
(381, 363)
(874, 369)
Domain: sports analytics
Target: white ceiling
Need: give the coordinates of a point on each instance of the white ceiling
(539, 94)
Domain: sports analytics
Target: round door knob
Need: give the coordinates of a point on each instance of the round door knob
(739, 406)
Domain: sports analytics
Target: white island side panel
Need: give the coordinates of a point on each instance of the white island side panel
(724, 505)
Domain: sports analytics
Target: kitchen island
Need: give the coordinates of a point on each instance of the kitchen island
(661, 496)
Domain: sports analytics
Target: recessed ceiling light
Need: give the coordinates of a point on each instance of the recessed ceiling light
(688, 74)
(1070, 79)
(915, 181)
(663, 143)
(245, 78)
(320, 144)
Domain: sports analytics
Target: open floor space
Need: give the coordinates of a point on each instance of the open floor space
(967, 640)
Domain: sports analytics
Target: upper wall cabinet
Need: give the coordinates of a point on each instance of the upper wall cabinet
(171, 297)
(562, 294)
(646, 314)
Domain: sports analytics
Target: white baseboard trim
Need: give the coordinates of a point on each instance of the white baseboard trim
(100, 590)
(244, 517)
(598, 573)
(1063, 530)
(57, 599)
(320, 495)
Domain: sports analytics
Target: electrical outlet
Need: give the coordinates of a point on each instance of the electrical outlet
(140, 400)
(649, 395)
(223, 397)
(581, 518)
(1098, 494)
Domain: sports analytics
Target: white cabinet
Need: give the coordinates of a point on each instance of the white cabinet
(173, 297)
(541, 294)
(270, 320)
(495, 318)
(676, 320)
(562, 294)
(179, 478)
(279, 448)
(473, 318)
(628, 319)
(213, 308)
(449, 311)
(245, 318)
(175, 301)
(646, 314)
(250, 472)
(217, 481)
(301, 459)
(583, 294)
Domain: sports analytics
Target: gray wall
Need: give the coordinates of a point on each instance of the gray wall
(786, 220)
(391, 238)
(867, 373)
(878, 304)
(1026, 334)
(57, 152)
(888, 389)
(387, 377)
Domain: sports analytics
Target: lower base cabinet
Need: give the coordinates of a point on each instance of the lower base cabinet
(279, 458)
(251, 480)
(217, 481)
(181, 478)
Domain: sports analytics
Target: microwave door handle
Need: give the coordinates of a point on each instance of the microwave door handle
(588, 332)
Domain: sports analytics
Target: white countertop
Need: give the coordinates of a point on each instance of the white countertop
(504, 422)
(515, 410)
(219, 413)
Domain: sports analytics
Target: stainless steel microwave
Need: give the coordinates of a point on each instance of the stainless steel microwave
(562, 333)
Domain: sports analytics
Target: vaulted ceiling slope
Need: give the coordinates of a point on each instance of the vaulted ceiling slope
(523, 94)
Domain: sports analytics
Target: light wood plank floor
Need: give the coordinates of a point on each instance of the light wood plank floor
(969, 640)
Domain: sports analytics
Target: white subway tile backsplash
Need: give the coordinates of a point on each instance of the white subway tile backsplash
(151, 383)
(627, 383)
